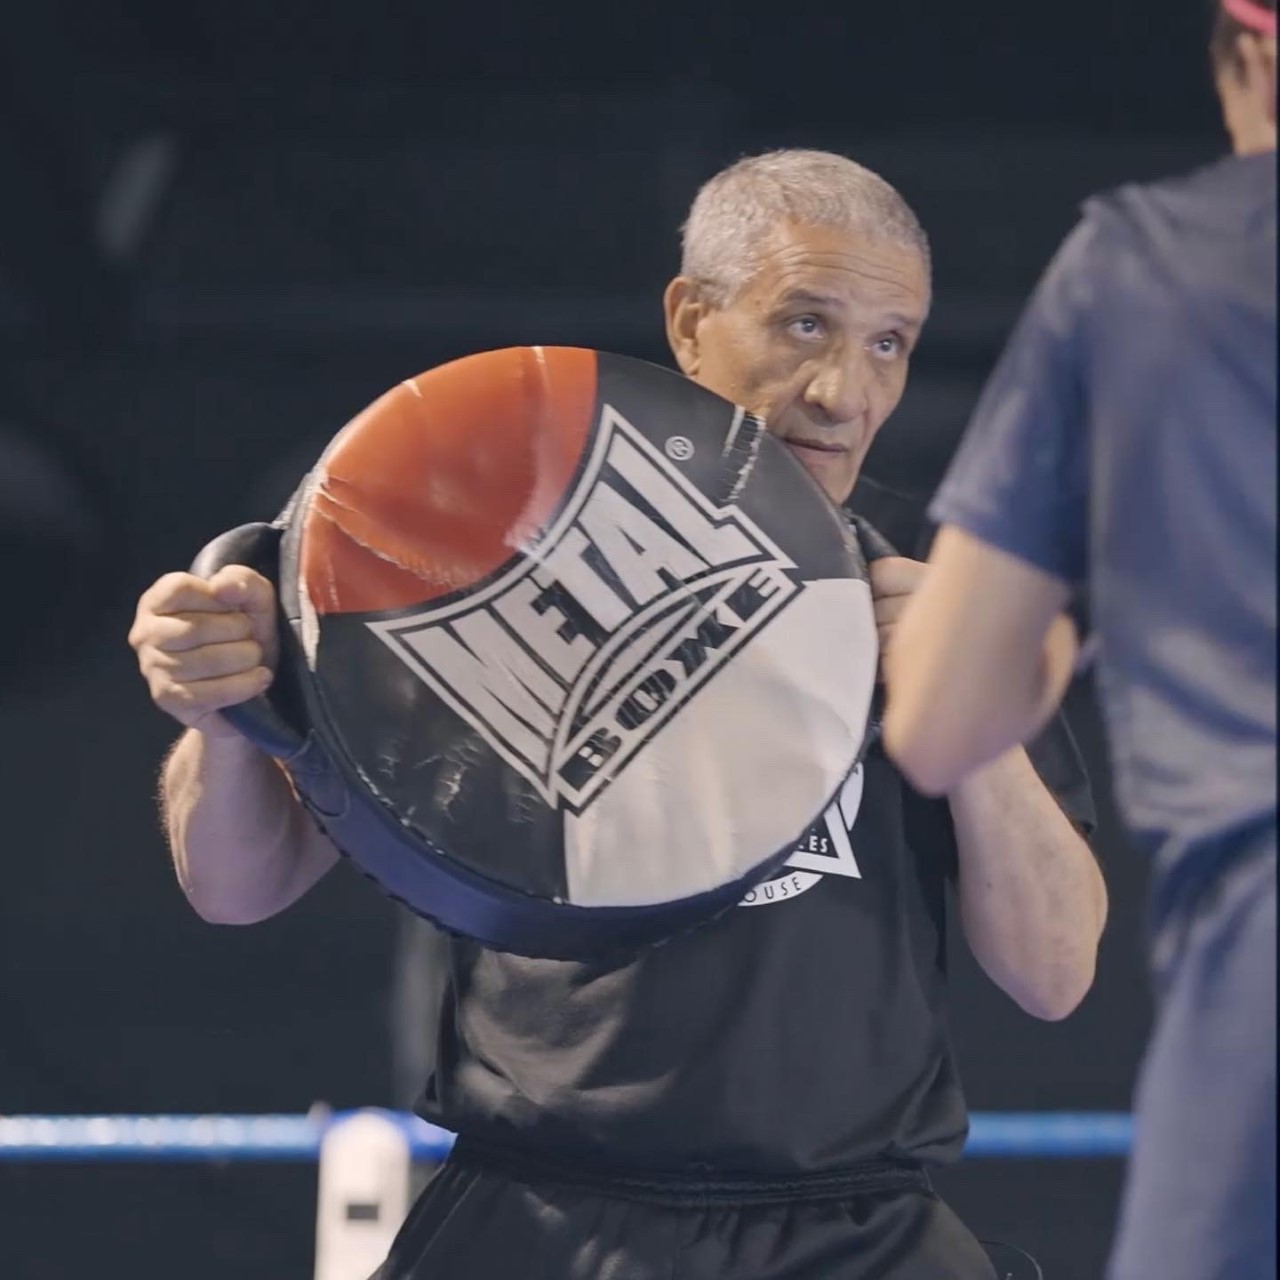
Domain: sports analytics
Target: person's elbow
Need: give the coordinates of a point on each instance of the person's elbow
(1057, 1002)
(241, 903)
(220, 910)
(1055, 994)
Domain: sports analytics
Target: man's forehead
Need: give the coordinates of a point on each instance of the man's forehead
(834, 266)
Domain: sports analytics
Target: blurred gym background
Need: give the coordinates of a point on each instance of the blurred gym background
(223, 230)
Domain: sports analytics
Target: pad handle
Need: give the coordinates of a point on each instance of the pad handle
(875, 546)
(257, 547)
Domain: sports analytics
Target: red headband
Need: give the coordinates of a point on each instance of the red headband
(1253, 16)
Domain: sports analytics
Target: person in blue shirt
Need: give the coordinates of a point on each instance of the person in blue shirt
(1123, 459)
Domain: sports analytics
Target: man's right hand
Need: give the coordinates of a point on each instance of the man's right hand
(206, 644)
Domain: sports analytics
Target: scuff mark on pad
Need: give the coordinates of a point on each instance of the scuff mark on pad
(461, 759)
(540, 445)
(522, 805)
(397, 535)
(365, 545)
(374, 789)
(445, 569)
(747, 455)
(386, 763)
(449, 786)
(310, 625)
(739, 414)
(431, 491)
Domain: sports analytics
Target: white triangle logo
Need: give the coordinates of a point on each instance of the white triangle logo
(839, 820)
(805, 868)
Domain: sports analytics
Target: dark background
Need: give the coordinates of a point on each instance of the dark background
(225, 228)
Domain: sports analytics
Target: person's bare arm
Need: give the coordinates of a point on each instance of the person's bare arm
(980, 660)
(1032, 899)
(243, 846)
(1033, 902)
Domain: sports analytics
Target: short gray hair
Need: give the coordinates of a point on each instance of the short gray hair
(737, 210)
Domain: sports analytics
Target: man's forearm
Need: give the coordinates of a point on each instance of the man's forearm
(978, 662)
(243, 847)
(1032, 899)
(974, 718)
(1058, 657)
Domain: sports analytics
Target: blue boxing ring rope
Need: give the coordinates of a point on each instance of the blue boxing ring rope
(296, 1138)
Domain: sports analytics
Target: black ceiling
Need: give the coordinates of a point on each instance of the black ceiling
(1097, 64)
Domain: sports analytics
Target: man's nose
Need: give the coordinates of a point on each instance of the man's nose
(839, 390)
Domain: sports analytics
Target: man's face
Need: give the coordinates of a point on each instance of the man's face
(817, 342)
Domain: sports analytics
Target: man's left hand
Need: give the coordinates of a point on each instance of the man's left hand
(894, 580)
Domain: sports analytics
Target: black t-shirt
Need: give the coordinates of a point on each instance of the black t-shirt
(805, 1030)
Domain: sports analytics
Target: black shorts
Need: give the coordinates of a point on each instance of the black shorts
(485, 1218)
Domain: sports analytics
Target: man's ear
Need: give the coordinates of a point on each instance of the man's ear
(685, 308)
(1267, 61)
(1257, 60)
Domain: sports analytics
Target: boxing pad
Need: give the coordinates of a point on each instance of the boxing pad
(572, 650)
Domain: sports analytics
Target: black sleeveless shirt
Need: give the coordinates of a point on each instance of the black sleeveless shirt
(804, 1031)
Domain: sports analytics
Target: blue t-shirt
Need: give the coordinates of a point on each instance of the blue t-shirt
(1126, 444)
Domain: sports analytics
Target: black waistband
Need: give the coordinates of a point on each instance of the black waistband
(693, 1186)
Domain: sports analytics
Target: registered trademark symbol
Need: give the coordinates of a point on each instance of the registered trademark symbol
(679, 448)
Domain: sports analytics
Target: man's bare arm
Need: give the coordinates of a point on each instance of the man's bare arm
(1032, 900)
(243, 846)
(979, 662)
(1033, 903)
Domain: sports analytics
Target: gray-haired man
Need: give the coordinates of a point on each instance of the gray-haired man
(760, 1099)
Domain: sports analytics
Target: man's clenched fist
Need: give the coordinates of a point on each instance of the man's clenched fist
(894, 580)
(206, 644)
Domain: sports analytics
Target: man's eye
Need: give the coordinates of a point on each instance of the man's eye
(806, 327)
(890, 346)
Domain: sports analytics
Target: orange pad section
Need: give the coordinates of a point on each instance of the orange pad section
(443, 479)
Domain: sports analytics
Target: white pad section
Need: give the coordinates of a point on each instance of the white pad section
(740, 770)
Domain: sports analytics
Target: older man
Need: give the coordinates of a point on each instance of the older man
(762, 1098)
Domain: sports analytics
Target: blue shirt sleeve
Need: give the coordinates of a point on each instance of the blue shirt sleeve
(1020, 478)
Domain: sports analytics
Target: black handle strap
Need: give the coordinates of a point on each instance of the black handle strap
(875, 546)
(257, 547)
